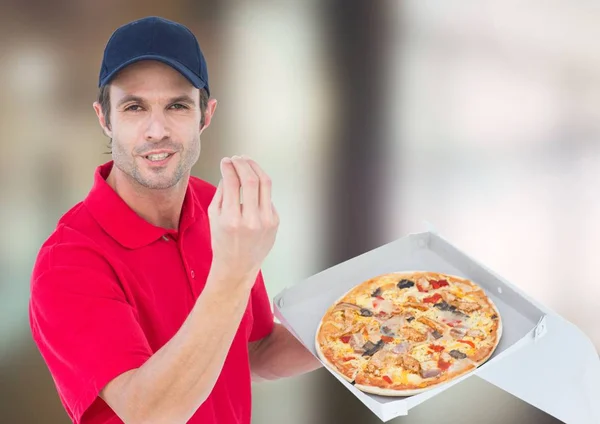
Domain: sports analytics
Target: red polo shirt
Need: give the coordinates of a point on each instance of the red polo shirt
(109, 289)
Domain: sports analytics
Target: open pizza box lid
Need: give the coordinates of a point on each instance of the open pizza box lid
(541, 358)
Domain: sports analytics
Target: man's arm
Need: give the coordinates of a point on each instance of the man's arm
(178, 378)
(280, 355)
(171, 385)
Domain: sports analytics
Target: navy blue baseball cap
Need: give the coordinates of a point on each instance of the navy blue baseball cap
(155, 38)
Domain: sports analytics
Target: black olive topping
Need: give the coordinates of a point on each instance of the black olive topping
(370, 348)
(404, 284)
(377, 292)
(436, 334)
(457, 354)
(444, 306)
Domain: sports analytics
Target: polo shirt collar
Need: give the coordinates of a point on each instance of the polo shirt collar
(121, 222)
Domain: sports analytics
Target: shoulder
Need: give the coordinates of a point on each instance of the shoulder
(71, 247)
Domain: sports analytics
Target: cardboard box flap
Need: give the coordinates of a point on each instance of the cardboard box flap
(558, 373)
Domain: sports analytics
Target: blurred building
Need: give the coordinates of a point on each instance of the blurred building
(483, 119)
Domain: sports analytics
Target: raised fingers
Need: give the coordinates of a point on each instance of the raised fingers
(230, 187)
(250, 185)
(217, 200)
(265, 187)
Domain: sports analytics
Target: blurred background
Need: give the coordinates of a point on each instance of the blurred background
(370, 116)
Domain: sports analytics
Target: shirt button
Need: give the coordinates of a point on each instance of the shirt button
(193, 274)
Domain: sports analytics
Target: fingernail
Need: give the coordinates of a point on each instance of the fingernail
(226, 160)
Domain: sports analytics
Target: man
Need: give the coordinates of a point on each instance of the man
(147, 301)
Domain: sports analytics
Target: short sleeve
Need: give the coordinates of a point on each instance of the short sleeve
(261, 310)
(82, 324)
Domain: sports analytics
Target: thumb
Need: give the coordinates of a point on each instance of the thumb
(217, 200)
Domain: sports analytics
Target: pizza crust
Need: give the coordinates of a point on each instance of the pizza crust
(328, 363)
(416, 390)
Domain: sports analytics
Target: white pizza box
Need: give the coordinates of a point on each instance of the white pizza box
(541, 358)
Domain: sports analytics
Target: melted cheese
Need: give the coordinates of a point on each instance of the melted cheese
(421, 352)
(401, 296)
(410, 378)
(432, 313)
(396, 374)
(470, 298)
(364, 301)
(457, 292)
(341, 348)
(480, 321)
(395, 296)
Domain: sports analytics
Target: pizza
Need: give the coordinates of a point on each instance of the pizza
(399, 334)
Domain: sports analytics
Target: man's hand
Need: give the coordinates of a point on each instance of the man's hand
(280, 355)
(242, 233)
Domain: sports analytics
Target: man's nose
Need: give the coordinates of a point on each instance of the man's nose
(157, 128)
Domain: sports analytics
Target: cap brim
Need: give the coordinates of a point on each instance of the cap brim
(182, 69)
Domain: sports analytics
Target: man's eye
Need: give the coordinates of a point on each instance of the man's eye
(133, 108)
(178, 106)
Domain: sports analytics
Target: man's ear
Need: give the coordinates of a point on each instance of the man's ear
(102, 119)
(209, 113)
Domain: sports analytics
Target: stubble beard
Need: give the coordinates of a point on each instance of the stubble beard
(158, 179)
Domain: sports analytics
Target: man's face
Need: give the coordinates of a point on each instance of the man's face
(154, 124)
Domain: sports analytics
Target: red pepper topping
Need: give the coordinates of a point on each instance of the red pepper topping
(439, 283)
(443, 365)
(421, 289)
(433, 299)
(453, 323)
(436, 348)
(468, 342)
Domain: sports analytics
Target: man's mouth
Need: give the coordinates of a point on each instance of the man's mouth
(157, 157)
